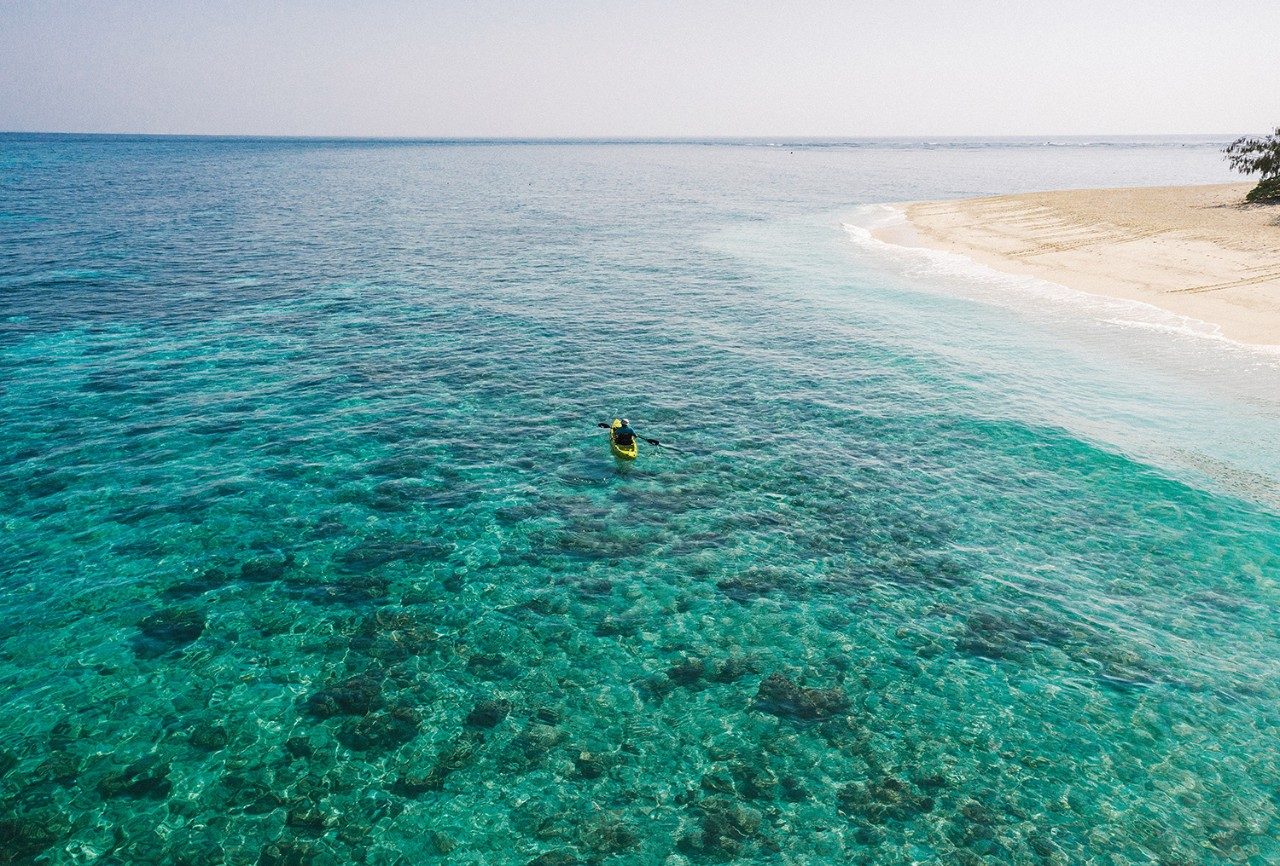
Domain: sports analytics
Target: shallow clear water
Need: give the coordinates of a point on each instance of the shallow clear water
(312, 552)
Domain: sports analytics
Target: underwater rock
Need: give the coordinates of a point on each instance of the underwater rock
(547, 604)
(327, 528)
(399, 466)
(1001, 637)
(591, 543)
(602, 586)
(145, 779)
(392, 635)
(168, 629)
(731, 669)
(207, 581)
(687, 672)
(492, 666)
(592, 765)
(793, 790)
(106, 382)
(357, 696)
(196, 852)
(376, 553)
(936, 781)
(63, 734)
(317, 787)
(272, 621)
(309, 818)
(209, 737)
(727, 827)
(548, 715)
(753, 781)
(976, 826)
(61, 767)
(8, 760)
(1117, 666)
(885, 799)
(299, 747)
(976, 813)
(289, 853)
(45, 485)
(656, 688)
(542, 819)
(744, 779)
(782, 697)
(22, 837)
(754, 583)
(383, 620)
(441, 843)
(348, 590)
(258, 799)
(487, 713)
(557, 857)
(717, 781)
(617, 626)
(928, 570)
(537, 739)
(380, 732)
(265, 569)
(456, 755)
(607, 834)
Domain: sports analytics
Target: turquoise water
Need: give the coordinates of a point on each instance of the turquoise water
(312, 553)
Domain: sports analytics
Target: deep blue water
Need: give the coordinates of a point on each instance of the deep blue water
(312, 552)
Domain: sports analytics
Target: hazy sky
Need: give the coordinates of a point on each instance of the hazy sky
(636, 68)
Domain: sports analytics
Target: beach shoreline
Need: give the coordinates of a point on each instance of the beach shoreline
(1195, 251)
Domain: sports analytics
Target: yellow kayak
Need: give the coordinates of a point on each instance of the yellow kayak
(618, 450)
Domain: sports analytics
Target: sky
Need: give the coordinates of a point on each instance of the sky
(643, 68)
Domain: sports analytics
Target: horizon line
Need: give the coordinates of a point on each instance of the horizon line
(627, 139)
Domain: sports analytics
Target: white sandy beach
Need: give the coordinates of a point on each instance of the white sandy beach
(1196, 251)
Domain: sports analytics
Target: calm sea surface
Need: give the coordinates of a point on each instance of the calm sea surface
(311, 552)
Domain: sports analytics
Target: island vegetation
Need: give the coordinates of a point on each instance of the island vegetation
(1258, 155)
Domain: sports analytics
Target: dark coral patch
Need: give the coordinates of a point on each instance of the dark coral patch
(607, 834)
(61, 767)
(380, 732)
(357, 696)
(881, 800)
(208, 580)
(22, 837)
(487, 713)
(146, 779)
(209, 737)
(168, 629)
(757, 583)
(376, 553)
(265, 569)
(456, 755)
(726, 828)
(782, 697)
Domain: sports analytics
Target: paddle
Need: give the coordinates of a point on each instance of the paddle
(654, 442)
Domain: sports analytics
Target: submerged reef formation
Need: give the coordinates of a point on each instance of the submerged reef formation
(584, 720)
(468, 712)
(308, 554)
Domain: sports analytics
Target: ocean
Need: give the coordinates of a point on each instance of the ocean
(312, 550)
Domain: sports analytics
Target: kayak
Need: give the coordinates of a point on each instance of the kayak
(618, 450)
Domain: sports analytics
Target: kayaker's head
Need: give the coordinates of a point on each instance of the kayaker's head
(626, 423)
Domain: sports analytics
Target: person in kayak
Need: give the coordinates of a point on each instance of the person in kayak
(624, 435)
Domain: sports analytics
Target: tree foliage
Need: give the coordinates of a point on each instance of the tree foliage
(1249, 155)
